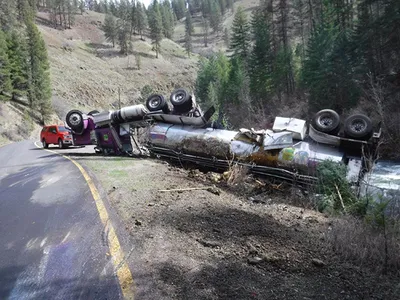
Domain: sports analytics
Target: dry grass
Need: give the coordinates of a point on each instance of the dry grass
(236, 175)
(358, 242)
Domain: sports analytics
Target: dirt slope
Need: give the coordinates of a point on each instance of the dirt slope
(242, 242)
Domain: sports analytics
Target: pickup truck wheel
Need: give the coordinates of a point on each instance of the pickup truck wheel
(60, 144)
(326, 120)
(156, 102)
(358, 127)
(44, 143)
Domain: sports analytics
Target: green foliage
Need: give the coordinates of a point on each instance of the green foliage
(237, 82)
(39, 93)
(240, 38)
(156, 29)
(179, 8)
(261, 58)
(145, 92)
(19, 68)
(188, 43)
(189, 28)
(332, 183)
(213, 71)
(124, 39)
(206, 26)
(215, 17)
(167, 19)
(328, 71)
(140, 18)
(110, 29)
(5, 80)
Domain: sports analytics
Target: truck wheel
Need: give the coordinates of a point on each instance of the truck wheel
(358, 127)
(326, 120)
(75, 119)
(181, 100)
(60, 144)
(44, 143)
(155, 102)
(93, 112)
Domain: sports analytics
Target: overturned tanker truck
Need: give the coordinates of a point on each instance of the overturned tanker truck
(290, 150)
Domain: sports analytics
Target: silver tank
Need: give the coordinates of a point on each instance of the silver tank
(187, 139)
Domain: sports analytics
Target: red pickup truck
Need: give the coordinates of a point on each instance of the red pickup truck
(57, 135)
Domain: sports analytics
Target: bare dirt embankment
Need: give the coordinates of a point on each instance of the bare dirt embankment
(246, 241)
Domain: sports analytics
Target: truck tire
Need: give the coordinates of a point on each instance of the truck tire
(358, 127)
(60, 144)
(327, 121)
(181, 100)
(156, 102)
(75, 120)
(44, 143)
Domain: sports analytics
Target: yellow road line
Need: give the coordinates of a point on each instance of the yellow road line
(123, 273)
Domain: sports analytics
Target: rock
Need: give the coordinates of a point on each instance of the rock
(254, 260)
(210, 244)
(151, 204)
(214, 191)
(317, 262)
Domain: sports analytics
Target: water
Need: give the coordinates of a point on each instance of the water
(384, 184)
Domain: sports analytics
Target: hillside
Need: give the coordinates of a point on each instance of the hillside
(86, 71)
(215, 40)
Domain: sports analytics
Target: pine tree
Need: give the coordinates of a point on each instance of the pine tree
(5, 81)
(110, 29)
(189, 23)
(155, 23)
(188, 43)
(124, 40)
(140, 18)
(206, 28)
(215, 17)
(179, 8)
(167, 19)
(39, 94)
(7, 14)
(261, 58)
(226, 37)
(240, 39)
(18, 64)
(222, 6)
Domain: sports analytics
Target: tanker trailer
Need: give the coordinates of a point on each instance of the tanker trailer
(264, 152)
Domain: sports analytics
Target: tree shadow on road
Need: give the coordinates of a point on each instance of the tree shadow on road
(15, 283)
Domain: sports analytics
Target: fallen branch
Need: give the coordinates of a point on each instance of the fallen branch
(340, 197)
(187, 189)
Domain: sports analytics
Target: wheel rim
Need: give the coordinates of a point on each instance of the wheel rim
(155, 102)
(75, 119)
(179, 97)
(358, 126)
(60, 144)
(325, 121)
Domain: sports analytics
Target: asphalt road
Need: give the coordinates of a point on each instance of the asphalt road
(52, 242)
